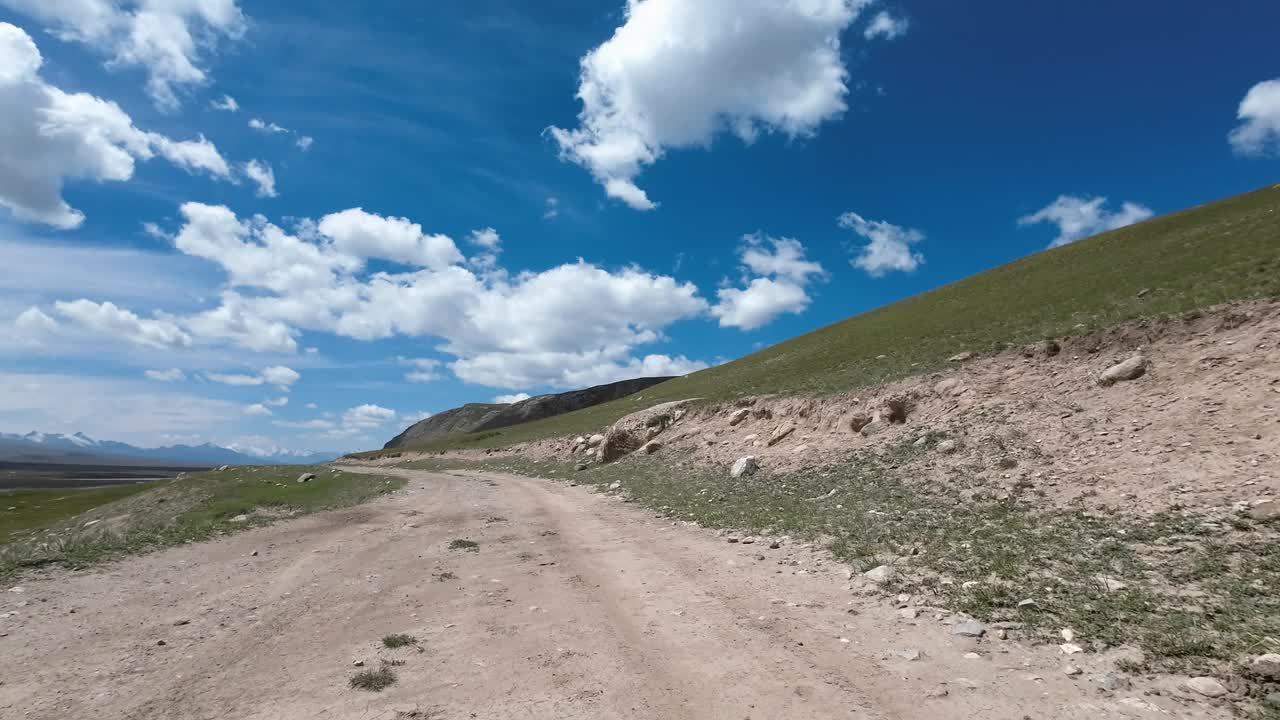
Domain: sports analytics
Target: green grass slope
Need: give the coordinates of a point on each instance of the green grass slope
(77, 528)
(1224, 251)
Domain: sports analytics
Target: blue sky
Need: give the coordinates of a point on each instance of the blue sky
(500, 197)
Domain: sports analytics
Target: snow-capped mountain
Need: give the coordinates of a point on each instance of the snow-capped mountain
(78, 446)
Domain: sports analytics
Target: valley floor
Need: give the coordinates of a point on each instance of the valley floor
(571, 605)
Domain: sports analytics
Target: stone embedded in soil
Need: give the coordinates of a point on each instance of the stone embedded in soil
(873, 427)
(859, 421)
(738, 416)
(947, 447)
(1207, 686)
(1111, 584)
(780, 434)
(1072, 670)
(1131, 369)
(882, 574)
(595, 440)
(651, 447)
(1070, 648)
(969, 628)
(963, 356)
(1265, 510)
(306, 477)
(1266, 666)
(744, 466)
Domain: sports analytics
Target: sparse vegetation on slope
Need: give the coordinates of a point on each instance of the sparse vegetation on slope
(50, 529)
(1196, 594)
(1228, 250)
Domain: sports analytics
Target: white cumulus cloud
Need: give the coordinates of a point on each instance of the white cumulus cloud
(885, 25)
(1078, 217)
(267, 127)
(226, 103)
(783, 273)
(48, 136)
(257, 409)
(281, 377)
(511, 330)
(679, 72)
(263, 176)
(1259, 115)
(509, 399)
(109, 320)
(889, 246)
(367, 417)
(424, 369)
(363, 234)
(166, 38)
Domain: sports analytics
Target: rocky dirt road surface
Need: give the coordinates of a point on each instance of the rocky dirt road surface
(574, 605)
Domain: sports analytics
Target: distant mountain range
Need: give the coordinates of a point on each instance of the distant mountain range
(82, 449)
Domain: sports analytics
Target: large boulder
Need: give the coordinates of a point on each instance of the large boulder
(595, 440)
(633, 431)
(738, 416)
(744, 466)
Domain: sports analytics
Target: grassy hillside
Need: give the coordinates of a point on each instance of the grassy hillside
(1227, 250)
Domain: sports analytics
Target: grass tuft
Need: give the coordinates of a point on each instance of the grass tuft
(467, 545)
(398, 640)
(373, 680)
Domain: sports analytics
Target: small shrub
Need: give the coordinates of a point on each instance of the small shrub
(468, 545)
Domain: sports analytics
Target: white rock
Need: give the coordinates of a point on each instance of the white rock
(963, 356)
(1207, 686)
(969, 628)
(1265, 510)
(240, 518)
(306, 477)
(1068, 634)
(882, 574)
(595, 440)
(1111, 584)
(1267, 666)
(972, 656)
(947, 447)
(744, 466)
(1131, 369)
(1070, 649)
(908, 613)
(738, 416)
(1072, 670)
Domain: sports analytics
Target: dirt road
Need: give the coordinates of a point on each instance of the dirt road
(575, 605)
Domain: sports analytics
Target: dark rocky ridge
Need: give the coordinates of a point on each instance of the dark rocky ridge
(478, 417)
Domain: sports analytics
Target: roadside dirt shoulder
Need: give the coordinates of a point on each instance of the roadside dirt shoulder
(573, 605)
